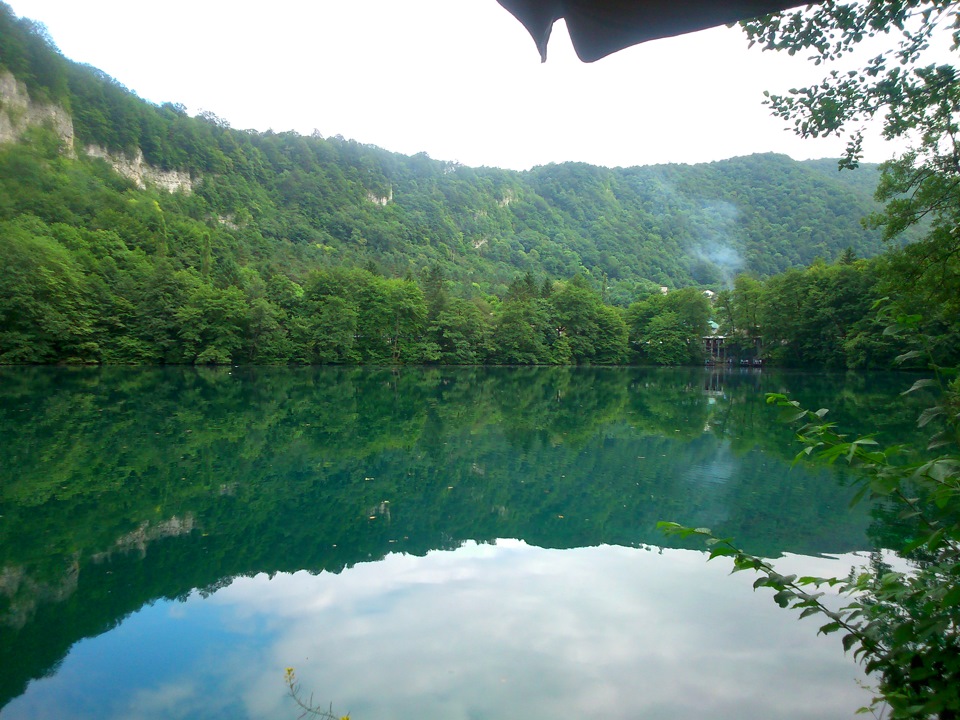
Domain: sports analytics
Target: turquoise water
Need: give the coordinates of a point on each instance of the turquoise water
(467, 543)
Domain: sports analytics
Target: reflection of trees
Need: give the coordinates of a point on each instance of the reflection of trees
(558, 405)
(281, 470)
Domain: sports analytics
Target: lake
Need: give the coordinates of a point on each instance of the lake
(420, 543)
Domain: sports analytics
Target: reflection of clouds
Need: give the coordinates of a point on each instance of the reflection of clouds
(520, 631)
(826, 565)
(176, 699)
(504, 630)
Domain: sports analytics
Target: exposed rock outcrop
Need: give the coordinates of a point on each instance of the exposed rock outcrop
(18, 113)
(24, 594)
(141, 173)
(381, 199)
(140, 538)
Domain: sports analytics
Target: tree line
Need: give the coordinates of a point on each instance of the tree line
(837, 316)
(70, 294)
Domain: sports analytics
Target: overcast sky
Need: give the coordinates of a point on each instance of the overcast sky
(458, 79)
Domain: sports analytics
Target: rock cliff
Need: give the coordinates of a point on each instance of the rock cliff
(19, 112)
(143, 174)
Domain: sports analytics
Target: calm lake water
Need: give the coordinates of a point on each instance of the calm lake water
(418, 543)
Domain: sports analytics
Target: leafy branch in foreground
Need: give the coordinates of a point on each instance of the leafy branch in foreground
(893, 63)
(903, 626)
(905, 83)
(309, 709)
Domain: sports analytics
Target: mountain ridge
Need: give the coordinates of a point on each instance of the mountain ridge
(579, 218)
(133, 233)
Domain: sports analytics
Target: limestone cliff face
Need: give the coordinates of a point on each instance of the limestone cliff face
(137, 170)
(24, 594)
(381, 199)
(21, 594)
(18, 113)
(147, 533)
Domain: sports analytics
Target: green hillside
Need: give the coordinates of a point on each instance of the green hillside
(275, 247)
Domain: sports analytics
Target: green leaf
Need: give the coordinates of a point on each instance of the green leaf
(900, 359)
(859, 495)
(951, 598)
(929, 414)
(935, 540)
(784, 597)
(927, 382)
(722, 551)
(912, 545)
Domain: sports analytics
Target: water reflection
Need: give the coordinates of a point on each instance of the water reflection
(121, 488)
(505, 630)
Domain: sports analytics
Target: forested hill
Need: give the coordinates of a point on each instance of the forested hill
(131, 232)
(672, 225)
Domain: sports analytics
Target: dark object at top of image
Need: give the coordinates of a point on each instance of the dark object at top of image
(600, 27)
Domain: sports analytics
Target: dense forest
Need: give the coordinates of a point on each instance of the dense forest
(274, 248)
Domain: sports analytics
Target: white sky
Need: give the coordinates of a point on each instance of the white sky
(458, 79)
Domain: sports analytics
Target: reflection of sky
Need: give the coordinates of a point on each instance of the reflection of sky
(482, 632)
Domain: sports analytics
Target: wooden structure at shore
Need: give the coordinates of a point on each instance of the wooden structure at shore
(737, 350)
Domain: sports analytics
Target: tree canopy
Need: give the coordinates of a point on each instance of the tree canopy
(902, 624)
